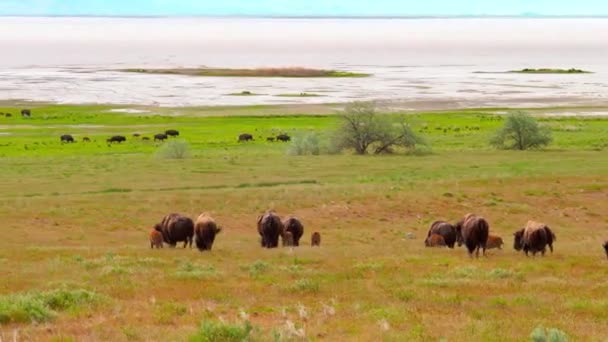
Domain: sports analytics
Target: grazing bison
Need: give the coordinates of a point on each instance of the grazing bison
(534, 237)
(136, 135)
(295, 227)
(473, 232)
(494, 242)
(145, 139)
(270, 227)
(116, 139)
(446, 230)
(315, 239)
(270, 139)
(172, 133)
(156, 239)
(606, 248)
(287, 239)
(66, 138)
(8, 115)
(86, 139)
(205, 230)
(26, 113)
(245, 137)
(283, 138)
(435, 240)
(160, 137)
(176, 228)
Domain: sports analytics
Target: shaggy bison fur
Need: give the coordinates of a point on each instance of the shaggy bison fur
(176, 228)
(446, 230)
(534, 237)
(156, 239)
(205, 230)
(160, 137)
(270, 227)
(473, 232)
(315, 239)
(172, 133)
(287, 239)
(295, 227)
(435, 240)
(494, 242)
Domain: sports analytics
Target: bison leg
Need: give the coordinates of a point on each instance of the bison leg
(551, 248)
(151, 245)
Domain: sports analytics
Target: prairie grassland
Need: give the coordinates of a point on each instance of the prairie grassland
(76, 218)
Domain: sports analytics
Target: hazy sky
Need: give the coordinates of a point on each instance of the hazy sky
(303, 7)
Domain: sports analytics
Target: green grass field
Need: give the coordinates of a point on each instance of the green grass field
(76, 264)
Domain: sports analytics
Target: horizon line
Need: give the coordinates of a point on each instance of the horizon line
(255, 16)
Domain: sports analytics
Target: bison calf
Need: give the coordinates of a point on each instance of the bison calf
(287, 239)
(315, 239)
(156, 239)
(435, 240)
(494, 242)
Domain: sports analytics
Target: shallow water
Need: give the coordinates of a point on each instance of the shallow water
(69, 60)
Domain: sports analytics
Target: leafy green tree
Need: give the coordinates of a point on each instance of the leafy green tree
(521, 132)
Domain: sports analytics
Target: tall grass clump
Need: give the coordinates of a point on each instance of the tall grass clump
(540, 334)
(305, 145)
(174, 149)
(43, 306)
(210, 331)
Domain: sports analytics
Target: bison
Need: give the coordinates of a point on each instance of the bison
(8, 115)
(205, 230)
(315, 239)
(156, 239)
(26, 113)
(145, 139)
(270, 139)
(295, 227)
(287, 239)
(435, 240)
(176, 228)
(270, 227)
(446, 230)
(172, 133)
(283, 138)
(136, 135)
(494, 242)
(473, 232)
(66, 138)
(116, 139)
(245, 137)
(86, 139)
(534, 237)
(606, 248)
(160, 137)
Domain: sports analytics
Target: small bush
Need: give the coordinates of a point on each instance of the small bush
(540, 334)
(308, 144)
(167, 312)
(222, 332)
(521, 132)
(256, 268)
(189, 270)
(174, 149)
(306, 285)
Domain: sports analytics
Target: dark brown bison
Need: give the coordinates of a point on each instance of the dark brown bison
(446, 230)
(116, 139)
(473, 232)
(145, 139)
(8, 115)
(494, 242)
(136, 135)
(171, 133)
(160, 137)
(66, 138)
(606, 248)
(205, 230)
(315, 239)
(245, 137)
(287, 239)
(283, 138)
(435, 240)
(86, 139)
(534, 237)
(270, 139)
(156, 239)
(270, 227)
(176, 228)
(295, 227)
(26, 113)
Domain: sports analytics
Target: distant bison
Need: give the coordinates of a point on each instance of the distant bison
(8, 115)
(446, 230)
(66, 138)
(283, 138)
(86, 139)
(494, 242)
(156, 239)
(269, 228)
(26, 113)
(145, 139)
(176, 228)
(136, 135)
(435, 240)
(606, 248)
(473, 232)
(245, 137)
(172, 133)
(160, 137)
(116, 139)
(315, 239)
(295, 227)
(287, 239)
(205, 230)
(534, 237)
(270, 139)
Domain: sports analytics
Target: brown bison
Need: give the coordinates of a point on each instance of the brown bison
(172, 133)
(446, 230)
(435, 240)
(287, 239)
(156, 239)
(26, 113)
(283, 138)
(295, 227)
(66, 138)
(205, 230)
(315, 239)
(494, 242)
(606, 248)
(160, 137)
(116, 139)
(534, 237)
(270, 227)
(245, 137)
(86, 139)
(176, 228)
(473, 232)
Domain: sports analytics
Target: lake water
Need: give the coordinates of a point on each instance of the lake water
(70, 60)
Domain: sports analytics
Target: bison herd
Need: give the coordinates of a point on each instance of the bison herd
(245, 137)
(68, 138)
